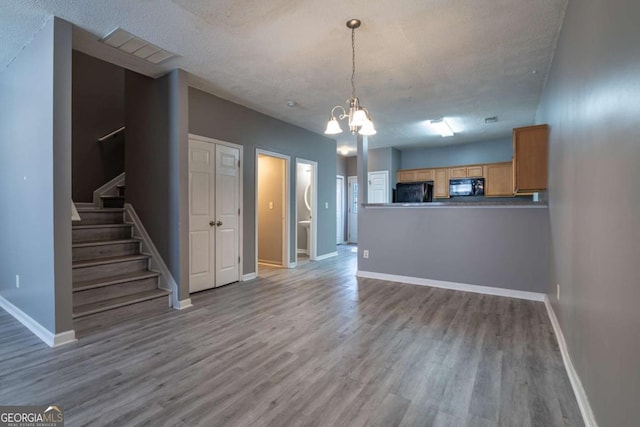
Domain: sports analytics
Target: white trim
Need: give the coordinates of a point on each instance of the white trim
(293, 264)
(249, 276)
(350, 180)
(286, 232)
(301, 251)
(240, 148)
(325, 256)
(156, 262)
(106, 188)
(581, 396)
(487, 290)
(340, 227)
(49, 338)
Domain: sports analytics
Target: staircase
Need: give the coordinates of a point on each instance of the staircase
(109, 269)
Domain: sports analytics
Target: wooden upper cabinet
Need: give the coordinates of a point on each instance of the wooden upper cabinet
(466, 172)
(441, 183)
(530, 152)
(424, 175)
(407, 176)
(498, 180)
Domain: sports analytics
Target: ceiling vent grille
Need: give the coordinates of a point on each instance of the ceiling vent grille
(128, 43)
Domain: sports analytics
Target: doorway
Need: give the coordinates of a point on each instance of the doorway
(352, 223)
(340, 217)
(214, 214)
(272, 209)
(306, 209)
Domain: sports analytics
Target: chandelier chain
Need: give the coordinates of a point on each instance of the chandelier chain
(353, 63)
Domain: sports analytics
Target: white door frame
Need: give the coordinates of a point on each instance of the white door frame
(286, 257)
(350, 179)
(313, 230)
(342, 205)
(241, 276)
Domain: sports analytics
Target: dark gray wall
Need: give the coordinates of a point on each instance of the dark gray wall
(35, 178)
(464, 154)
(352, 166)
(217, 118)
(591, 104)
(156, 120)
(503, 247)
(98, 109)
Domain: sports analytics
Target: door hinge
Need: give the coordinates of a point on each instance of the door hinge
(238, 260)
(238, 211)
(238, 163)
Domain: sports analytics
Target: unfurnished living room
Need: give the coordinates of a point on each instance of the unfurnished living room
(279, 213)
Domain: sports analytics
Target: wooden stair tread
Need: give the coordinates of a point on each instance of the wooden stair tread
(97, 209)
(109, 304)
(104, 242)
(112, 280)
(108, 260)
(93, 226)
(111, 197)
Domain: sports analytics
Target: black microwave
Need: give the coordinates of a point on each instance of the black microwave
(466, 187)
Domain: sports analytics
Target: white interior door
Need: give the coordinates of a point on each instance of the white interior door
(378, 187)
(202, 229)
(353, 209)
(227, 182)
(339, 209)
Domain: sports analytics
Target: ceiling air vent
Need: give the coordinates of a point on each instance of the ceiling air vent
(491, 119)
(128, 43)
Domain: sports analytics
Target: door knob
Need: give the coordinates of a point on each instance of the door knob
(212, 224)
(219, 223)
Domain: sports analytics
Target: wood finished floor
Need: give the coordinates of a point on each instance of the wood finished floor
(311, 346)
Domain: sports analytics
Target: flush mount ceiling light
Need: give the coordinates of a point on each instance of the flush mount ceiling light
(128, 43)
(442, 127)
(359, 118)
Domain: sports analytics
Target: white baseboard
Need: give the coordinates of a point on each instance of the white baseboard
(157, 263)
(249, 276)
(325, 256)
(49, 338)
(293, 264)
(182, 304)
(301, 251)
(488, 290)
(581, 396)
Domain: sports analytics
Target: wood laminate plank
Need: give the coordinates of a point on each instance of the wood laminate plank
(311, 346)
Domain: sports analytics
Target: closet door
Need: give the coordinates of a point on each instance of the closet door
(202, 226)
(227, 179)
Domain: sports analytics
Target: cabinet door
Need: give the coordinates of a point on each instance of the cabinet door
(441, 184)
(458, 172)
(530, 145)
(407, 176)
(424, 175)
(474, 172)
(498, 180)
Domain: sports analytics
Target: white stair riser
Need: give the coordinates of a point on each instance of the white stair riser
(106, 270)
(113, 291)
(86, 253)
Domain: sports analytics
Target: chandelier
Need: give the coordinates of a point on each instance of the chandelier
(359, 118)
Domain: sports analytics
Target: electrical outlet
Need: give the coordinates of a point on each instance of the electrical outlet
(17, 281)
(326, 205)
(270, 205)
(365, 253)
(558, 291)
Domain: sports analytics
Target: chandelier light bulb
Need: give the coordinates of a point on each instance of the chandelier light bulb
(367, 128)
(333, 127)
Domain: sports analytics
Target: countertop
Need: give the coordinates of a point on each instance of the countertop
(497, 204)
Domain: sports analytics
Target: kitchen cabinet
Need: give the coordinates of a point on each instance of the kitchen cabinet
(530, 152)
(407, 175)
(424, 175)
(466, 172)
(441, 183)
(498, 180)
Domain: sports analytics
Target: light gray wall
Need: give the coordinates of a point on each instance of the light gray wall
(352, 166)
(489, 246)
(463, 154)
(35, 178)
(98, 109)
(217, 118)
(591, 104)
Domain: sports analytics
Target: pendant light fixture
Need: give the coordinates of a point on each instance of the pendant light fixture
(359, 118)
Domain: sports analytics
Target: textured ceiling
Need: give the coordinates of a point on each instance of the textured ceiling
(416, 59)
